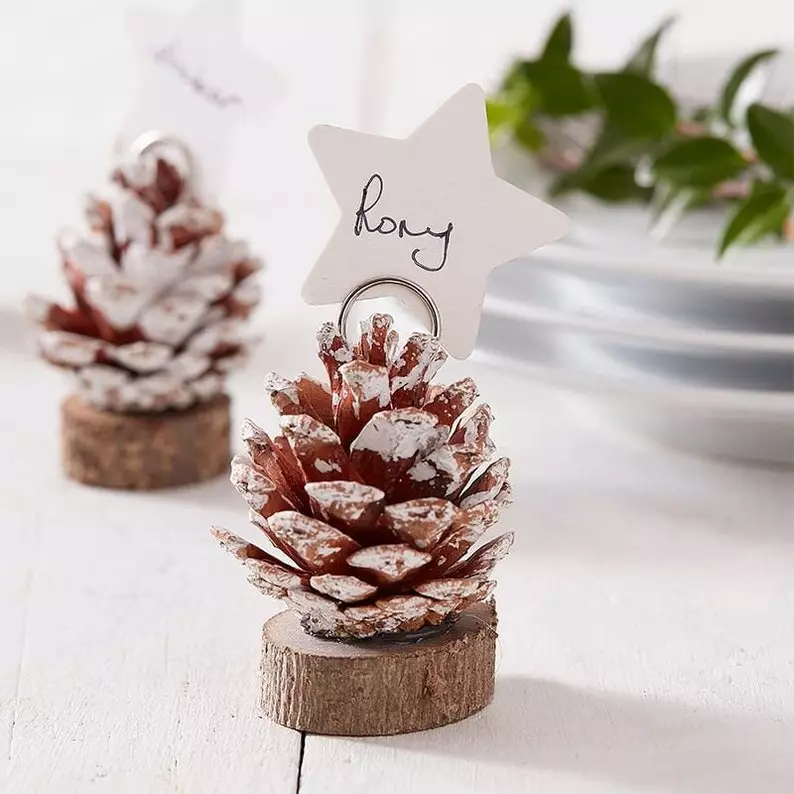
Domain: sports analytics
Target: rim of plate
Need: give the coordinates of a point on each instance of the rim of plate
(650, 334)
(759, 405)
(576, 256)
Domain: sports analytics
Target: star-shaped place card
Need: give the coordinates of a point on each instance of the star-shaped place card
(198, 82)
(428, 209)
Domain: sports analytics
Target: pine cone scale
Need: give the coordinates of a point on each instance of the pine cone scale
(345, 503)
(389, 563)
(364, 392)
(420, 522)
(345, 588)
(391, 443)
(321, 547)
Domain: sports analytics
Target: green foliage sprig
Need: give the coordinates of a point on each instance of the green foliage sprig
(640, 144)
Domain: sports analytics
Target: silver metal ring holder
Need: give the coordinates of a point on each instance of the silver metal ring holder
(154, 139)
(424, 296)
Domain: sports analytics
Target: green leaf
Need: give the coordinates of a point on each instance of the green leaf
(761, 213)
(562, 89)
(615, 183)
(736, 80)
(502, 114)
(773, 139)
(698, 162)
(643, 61)
(529, 136)
(635, 105)
(612, 147)
(560, 41)
(611, 151)
(515, 77)
(510, 110)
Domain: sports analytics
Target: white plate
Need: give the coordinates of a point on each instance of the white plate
(542, 296)
(749, 308)
(645, 346)
(765, 270)
(574, 361)
(746, 424)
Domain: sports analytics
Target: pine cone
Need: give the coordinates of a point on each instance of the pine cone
(160, 296)
(375, 493)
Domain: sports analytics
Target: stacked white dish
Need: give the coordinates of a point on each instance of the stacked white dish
(658, 336)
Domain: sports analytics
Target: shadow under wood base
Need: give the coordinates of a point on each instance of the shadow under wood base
(633, 743)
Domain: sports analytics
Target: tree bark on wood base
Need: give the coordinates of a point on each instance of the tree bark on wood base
(378, 687)
(144, 452)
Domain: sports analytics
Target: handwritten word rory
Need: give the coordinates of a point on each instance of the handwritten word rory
(168, 57)
(370, 196)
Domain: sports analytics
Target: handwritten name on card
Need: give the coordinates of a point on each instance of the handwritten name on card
(169, 58)
(365, 222)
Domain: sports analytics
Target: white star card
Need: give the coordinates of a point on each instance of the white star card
(198, 82)
(429, 209)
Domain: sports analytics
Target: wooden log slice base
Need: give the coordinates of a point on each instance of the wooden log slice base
(378, 687)
(144, 452)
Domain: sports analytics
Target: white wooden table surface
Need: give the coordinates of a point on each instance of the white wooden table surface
(646, 632)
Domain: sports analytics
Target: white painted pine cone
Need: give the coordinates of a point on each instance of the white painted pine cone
(161, 296)
(378, 490)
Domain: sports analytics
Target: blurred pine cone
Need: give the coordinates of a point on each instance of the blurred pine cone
(376, 492)
(160, 295)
